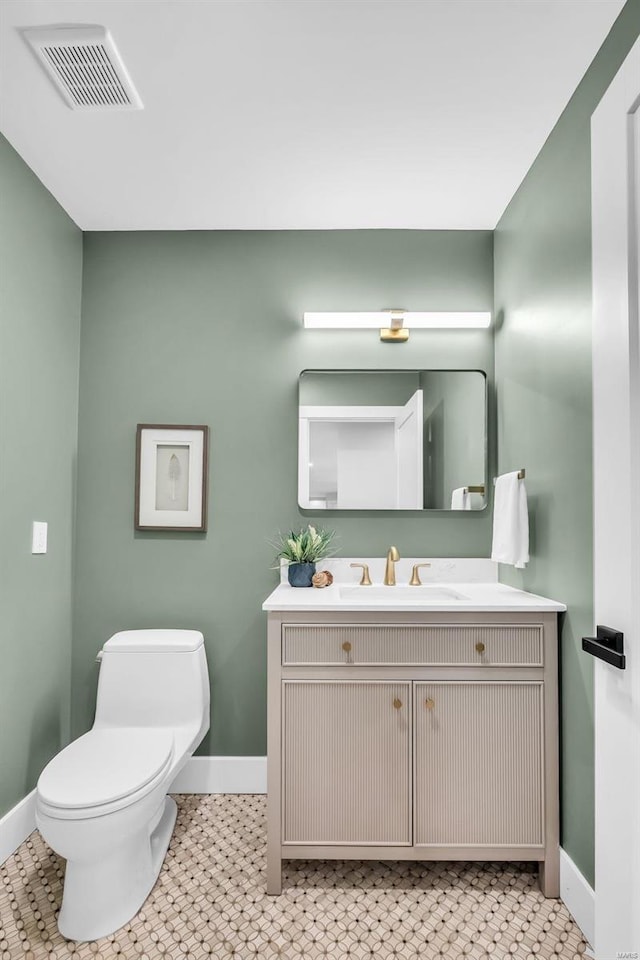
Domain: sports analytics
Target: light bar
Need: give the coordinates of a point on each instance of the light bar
(383, 318)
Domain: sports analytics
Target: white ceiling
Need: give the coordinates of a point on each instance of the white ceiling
(301, 114)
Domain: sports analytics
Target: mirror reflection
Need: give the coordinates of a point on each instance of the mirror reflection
(392, 440)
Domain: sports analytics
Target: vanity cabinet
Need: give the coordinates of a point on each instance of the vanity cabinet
(346, 762)
(416, 736)
(478, 764)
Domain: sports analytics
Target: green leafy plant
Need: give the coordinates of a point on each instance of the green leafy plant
(307, 546)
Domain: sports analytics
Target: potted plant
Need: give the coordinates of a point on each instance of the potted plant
(301, 551)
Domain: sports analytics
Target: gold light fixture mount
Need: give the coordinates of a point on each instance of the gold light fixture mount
(396, 332)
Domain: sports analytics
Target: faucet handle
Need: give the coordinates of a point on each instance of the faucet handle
(366, 579)
(415, 576)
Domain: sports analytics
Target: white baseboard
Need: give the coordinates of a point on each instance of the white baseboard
(16, 825)
(200, 775)
(222, 775)
(578, 896)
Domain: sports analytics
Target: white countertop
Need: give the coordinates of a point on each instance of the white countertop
(483, 597)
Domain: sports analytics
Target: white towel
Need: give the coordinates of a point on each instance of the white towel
(510, 521)
(460, 499)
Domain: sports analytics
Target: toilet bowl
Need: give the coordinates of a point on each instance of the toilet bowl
(102, 802)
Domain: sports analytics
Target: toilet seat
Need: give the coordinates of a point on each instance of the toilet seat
(104, 770)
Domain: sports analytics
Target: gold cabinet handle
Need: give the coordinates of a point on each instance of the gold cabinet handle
(415, 576)
(365, 580)
(346, 646)
(480, 647)
(397, 703)
(429, 703)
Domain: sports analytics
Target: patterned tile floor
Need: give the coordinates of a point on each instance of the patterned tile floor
(209, 902)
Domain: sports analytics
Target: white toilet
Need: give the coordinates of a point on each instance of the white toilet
(102, 802)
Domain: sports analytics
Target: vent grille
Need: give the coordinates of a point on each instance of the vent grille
(84, 65)
(88, 75)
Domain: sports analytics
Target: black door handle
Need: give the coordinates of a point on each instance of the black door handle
(607, 645)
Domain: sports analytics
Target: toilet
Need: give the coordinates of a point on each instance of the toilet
(102, 802)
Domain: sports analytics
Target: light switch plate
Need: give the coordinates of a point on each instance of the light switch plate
(39, 537)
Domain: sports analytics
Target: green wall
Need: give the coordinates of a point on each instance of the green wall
(40, 284)
(543, 372)
(207, 328)
(353, 389)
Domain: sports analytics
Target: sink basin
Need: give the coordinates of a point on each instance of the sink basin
(402, 594)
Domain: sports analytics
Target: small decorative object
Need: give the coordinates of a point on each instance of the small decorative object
(171, 477)
(323, 578)
(301, 551)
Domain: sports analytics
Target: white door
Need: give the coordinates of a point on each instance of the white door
(409, 430)
(616, 437)
(367, 477)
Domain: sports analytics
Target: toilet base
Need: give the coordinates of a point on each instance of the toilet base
(99, 898)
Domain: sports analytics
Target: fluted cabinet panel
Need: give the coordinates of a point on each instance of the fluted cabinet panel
(398, 644)
(479, 763)
(346, 772)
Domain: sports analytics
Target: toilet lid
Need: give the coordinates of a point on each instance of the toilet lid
(154, 641)
(105, 765)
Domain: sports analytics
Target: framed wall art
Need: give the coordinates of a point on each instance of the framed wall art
(171, 477)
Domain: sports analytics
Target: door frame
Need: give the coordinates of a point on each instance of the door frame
(616, 465)
(411, 419)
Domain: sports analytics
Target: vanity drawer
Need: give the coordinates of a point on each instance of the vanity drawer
(402, 644)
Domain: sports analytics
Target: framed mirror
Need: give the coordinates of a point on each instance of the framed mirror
(392, 440)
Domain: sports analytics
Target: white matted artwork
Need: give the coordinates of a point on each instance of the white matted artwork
(171, 477)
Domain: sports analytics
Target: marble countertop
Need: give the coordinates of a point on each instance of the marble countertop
(483, 597)
(449, 585)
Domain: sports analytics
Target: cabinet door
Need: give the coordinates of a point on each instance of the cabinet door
(478, 763)
(346, 762)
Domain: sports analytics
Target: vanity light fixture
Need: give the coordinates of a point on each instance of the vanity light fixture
(394, 325)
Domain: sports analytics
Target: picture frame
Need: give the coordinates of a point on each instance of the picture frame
(172, 463)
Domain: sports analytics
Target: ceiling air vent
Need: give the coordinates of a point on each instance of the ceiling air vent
(85, 66)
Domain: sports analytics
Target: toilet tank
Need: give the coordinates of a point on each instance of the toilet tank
(154, 678)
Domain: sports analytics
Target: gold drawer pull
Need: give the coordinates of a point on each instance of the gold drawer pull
(397, 703)
(480, 647)
(429, 703)
(346, 646)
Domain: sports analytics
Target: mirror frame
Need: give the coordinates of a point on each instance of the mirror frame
(310, 511)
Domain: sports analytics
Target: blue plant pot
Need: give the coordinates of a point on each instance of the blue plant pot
(300, 574)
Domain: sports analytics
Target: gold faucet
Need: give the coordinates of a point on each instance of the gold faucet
(390, 569)
(415, 574)
(366, 579)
